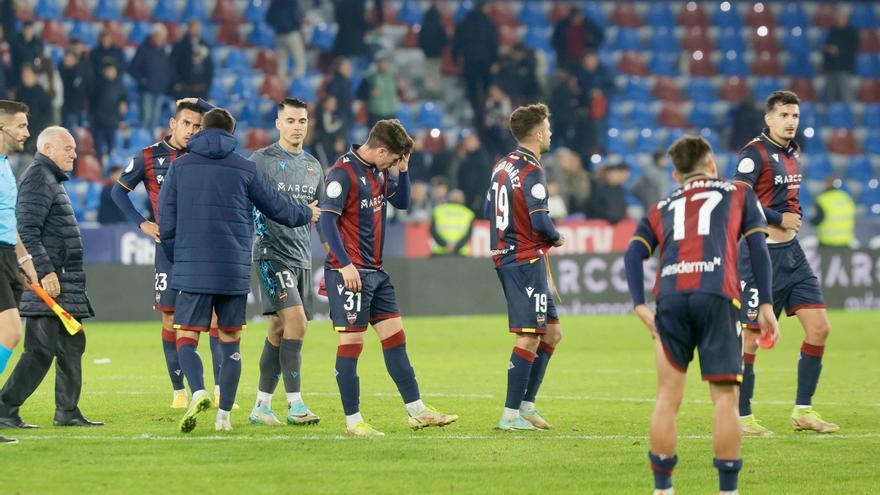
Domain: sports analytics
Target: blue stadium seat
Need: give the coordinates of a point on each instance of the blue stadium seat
(792, 14)
(304, 89)
(764, 86)
(702, 116)
(727, 18)
(166, 11)
(664, 40)
(139, 32)
(730, 39)
(660, 16)
(430, 116)
(85, 197)
(860, 169)
(819, 167)
(236, 60)
(45, 9)
(800, 65)
(133, 116)
(809, 115)
(243, 89)
(323, 36)
(85, 32)
(664, 64)
(538, 38)
(807, 201)
(871, 117)
(256, 11)
(56, 53)
(644, 118)
(872, 142)
(262, 35)
(733, 64)
(648, 141)
(531, 15)
(868, 65)
(813, 144)
(107, 10)
(637, 89)
(672, 135)
(712, 137)
(863, 16)
(870, 197)
(627, 39)
(615, 143)
(617, 115)
(405, 115)
(195, 9)
(700, 90)
(463, 8)
(250, 113)
(358, 133)
(796, 41)
(840, 116)
(594, 11)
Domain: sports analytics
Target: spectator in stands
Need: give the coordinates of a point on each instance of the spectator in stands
(608, 197)
(7, 16)
(4, 68)
(379, 89)
(574, 181)
(835, 218)
(573, 36)
(109, 106)
(82, 53)
(286, 18)
(27, 48)
(839, 51)
(498, 109)
(653, 185)
(515, 73)
(340, 87)
(38, 101)
(563, 103)
(596, 87)
(421, 163)
(419, 205)
(475, 44)
(106, 52)
(474, 171)
(451, 226)
(329, 128)
(439, 191)
(555, 202)
(192, 67)
(433, 40)
(352, 20)
(108, 212)
(76, 77)
(592, 75)
(745, 121)
(151, 69)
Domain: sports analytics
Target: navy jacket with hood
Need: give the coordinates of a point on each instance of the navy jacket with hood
(205, 215)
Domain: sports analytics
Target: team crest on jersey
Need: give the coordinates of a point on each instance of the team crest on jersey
(541, 318)
(351, 317)
(158, 297)
(282, 296)
(752, 314)
(310, 169)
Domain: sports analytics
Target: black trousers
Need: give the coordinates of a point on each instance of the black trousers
(45, 339)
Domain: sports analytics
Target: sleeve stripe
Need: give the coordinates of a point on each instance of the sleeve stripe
(645, 242)
(123, 184)
(338, 212)
(755, 230)
(743, 183)
(539, 209)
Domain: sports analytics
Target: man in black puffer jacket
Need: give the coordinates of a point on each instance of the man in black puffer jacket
(48, 229)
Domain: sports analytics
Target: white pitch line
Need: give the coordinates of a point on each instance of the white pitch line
(415, 437)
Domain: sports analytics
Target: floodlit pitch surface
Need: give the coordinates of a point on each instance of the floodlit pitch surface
(597, 394)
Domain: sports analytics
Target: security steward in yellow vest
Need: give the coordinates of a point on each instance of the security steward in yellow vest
(451, 226)
(836, 216)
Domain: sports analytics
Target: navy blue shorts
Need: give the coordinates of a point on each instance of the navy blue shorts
(530, 305)
(708, 323)
(352, 311)
(795, 286)
(163, 295)
(194, 312)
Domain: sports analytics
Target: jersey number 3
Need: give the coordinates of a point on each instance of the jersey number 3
(704, 216)
(502, 206)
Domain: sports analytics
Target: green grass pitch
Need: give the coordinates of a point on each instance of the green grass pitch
(597, 393)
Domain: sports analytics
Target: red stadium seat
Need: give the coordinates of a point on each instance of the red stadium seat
(89, 168)
(273, 88)
(257, 138)
(766, 64)
(697, 38)
(434, 144)
(672, 115)
(766, 43)
(761, 15)
(692, 15)
(632, 64)
(78, 9)
(667, 89)
(266, 62)
(54, 33)
(502, 15)
(411, 38)
(558, 11)
(226, 11)
(449, 67)
(825, 15)
(229, 34)
(869, 91)
(625, 15)
(734, 89)
(702, 66)
(137, 10)
(869, 41)
(85, 143)
(804, 88)
(844, 142)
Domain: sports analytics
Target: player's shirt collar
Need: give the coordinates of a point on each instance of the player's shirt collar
(166, 141)
(789, 150)
(695, 176)
(282, 149)
(354, 153)
(528, 155)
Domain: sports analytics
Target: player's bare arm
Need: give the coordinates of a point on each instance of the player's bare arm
(151, 229)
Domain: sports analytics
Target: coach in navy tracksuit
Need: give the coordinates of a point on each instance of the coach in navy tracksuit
(206, 230)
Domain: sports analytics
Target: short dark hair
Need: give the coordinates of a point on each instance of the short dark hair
(524, 119)
(292, 101)
(688, 153)
(390, 134)
(185, 105)
(781, 98)
(8, 108)
(219, 118)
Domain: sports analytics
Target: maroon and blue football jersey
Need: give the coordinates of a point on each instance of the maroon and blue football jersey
(358, 192)
(697, 230)
(150, 166)
(772, 170)
(518, 189)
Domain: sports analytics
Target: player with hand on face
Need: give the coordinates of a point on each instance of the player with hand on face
(522, 235)
(358, 188)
